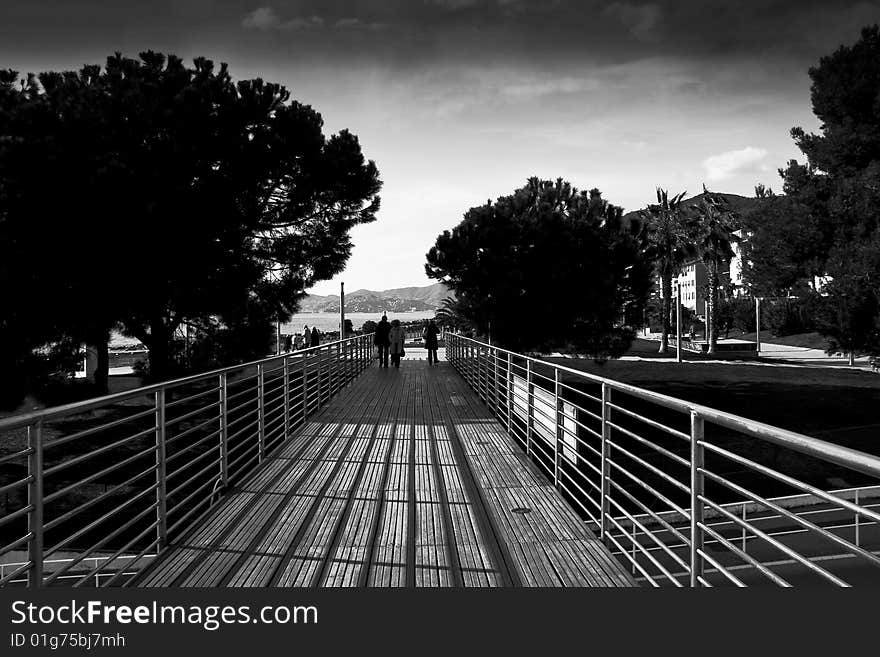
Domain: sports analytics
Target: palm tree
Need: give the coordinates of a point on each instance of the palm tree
(714, 229)
(669, 245)
(449, 314)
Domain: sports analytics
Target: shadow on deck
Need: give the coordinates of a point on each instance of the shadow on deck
(403, 479)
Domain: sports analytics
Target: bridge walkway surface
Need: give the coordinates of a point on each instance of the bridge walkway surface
(403, 480)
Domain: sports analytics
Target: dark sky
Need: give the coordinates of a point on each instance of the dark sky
(461, 100)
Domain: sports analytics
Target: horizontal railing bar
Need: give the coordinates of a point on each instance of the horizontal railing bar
(651, 423)
(95, 523)
(854, 459)
(171, 459)
(587, 496)
(9, 547)
(173, 440)
(576, 500)
(652, 468)
(96, 571)
(186, 500)
(209, 407)
(253, 453)
(641, 547)
(16, 484)
(779, 546)
(244, 416)
(718, 568)
(685, 541)
(247, 391)
(9, 517)
(16, 421)
(11, 576)
(794, 483)
(187, 482)
(648, 488)
(806, 524)
(634, 562)
(87, 505)
(177, 402)
(87, 432)
(15, 455)
(85, 555)
(745, 556)
(672, 456)
(580, 392)
(96, 452)
(96, 475)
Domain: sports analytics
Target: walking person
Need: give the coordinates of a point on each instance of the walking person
(381, 340)
(430, 338)
(306, 337)
(316, 337)
(396, 338)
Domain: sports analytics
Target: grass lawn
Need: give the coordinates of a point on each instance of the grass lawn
(807, 340)
(834, 404)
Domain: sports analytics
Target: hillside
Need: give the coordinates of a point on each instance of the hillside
(403, 299)
(739, 204)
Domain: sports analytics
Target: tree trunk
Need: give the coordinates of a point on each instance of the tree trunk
(160, 350)
(100, 341)
(712, 324)
(666, 306)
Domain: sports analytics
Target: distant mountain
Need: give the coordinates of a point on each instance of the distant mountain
(404, 299)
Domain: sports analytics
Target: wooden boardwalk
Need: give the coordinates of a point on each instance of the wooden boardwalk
(403, 479)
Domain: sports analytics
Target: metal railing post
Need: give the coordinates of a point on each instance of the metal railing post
(320, 367)
(530, 408)
(605, 490)
(161, 494)
(305, 384)
(224, 432)
(557, 452)
(35, 501)
(261, 413)
(697, 456)
(285, 372)
(508, 390)
(856, 500)
(495, 394)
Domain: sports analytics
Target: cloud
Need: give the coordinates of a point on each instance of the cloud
(358, 24)
(731, 163)
(263, 18)
(453, 5)
(640, 20)
(548, 87)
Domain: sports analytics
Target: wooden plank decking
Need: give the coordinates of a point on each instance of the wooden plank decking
(404, 479)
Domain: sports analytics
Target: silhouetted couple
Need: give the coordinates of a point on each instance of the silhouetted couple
(389, 339)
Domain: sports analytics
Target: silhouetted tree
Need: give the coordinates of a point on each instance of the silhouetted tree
(669, 245)
(218, 198)
(714, 233)
(547, 266)
(839, 186)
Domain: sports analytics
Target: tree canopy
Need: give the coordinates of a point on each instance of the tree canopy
(149, 194)
(547, 266)
(828, 224)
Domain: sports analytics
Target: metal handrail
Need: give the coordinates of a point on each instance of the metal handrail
(657, 476)
(133, 448)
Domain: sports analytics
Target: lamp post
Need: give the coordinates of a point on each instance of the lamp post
(758, 325)
(341, 311)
